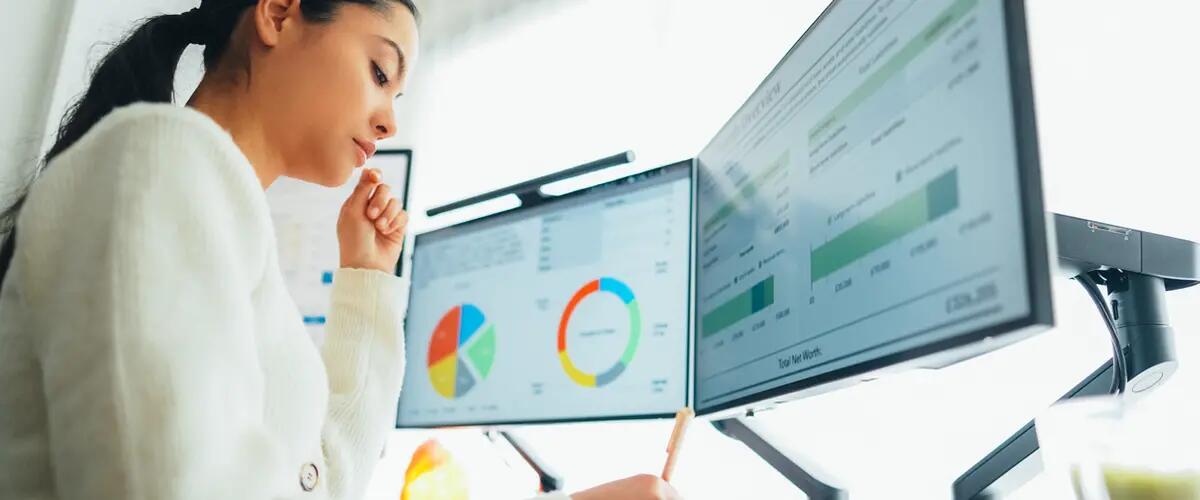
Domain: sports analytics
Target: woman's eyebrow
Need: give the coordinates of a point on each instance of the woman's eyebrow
(400, 59)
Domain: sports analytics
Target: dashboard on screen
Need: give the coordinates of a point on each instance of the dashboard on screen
(873, 201)
(574, 309)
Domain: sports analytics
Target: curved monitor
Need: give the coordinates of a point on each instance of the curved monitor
(574, 309)
(875, 203)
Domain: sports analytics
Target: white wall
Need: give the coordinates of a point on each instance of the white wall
(32, 35)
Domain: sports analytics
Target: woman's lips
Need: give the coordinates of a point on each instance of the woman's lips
(365, 150)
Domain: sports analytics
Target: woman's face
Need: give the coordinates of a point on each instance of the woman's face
(331, 85)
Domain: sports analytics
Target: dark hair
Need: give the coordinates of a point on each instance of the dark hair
(142, 69)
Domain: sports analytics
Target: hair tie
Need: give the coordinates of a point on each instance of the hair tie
(194, 26)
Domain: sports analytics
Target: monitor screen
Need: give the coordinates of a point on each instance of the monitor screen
(305, 217)
(874, 203)
(573, 309)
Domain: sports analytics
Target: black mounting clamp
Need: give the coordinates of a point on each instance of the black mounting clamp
(1137, 268)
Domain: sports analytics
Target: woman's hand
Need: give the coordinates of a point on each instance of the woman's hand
(371, 225)
(641, 487)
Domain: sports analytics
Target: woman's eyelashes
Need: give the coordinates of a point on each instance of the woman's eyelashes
(380, 77)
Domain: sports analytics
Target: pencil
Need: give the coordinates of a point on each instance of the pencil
(682, 418)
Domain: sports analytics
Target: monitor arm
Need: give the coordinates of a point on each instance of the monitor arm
(1137, 268)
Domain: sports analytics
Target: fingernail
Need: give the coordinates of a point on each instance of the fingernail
(374, 212)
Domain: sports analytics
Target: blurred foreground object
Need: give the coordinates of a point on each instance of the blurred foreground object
(1114, 449)
(434, 475)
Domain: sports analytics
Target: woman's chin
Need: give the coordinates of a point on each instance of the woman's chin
(348, 175)
(338, 178)
(331, 176)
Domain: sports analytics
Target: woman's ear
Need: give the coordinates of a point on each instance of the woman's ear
(272, 17)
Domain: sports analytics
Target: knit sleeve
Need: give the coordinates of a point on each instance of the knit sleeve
(364, 356)
(140, 272)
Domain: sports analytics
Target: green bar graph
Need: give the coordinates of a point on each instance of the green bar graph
(895, 65)
(758, 297)
(937, 198)
(747, 191)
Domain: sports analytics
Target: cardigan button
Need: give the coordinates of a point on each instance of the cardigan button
(308, 477)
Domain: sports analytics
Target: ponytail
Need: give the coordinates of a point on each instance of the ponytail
(139, 69)
(142, 69)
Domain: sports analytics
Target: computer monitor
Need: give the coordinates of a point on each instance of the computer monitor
(305, 217)
(874, 204)
(574, 309)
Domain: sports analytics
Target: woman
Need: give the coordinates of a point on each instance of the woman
(148, 348)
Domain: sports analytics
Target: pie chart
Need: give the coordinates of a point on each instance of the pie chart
(461, 351)
(625, 294)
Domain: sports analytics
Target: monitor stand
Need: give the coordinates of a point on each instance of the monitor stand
(1137, 267)
(800, 470)
(548, 480)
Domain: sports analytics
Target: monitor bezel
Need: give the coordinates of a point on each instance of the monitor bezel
(970, 343)
(629, 181)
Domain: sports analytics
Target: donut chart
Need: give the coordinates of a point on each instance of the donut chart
(623, 292)
(461, 351)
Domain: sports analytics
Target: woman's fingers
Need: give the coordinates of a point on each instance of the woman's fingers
(379, 201)
(362, 191)
(389, 212)
(383, 210)
(399, 223)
